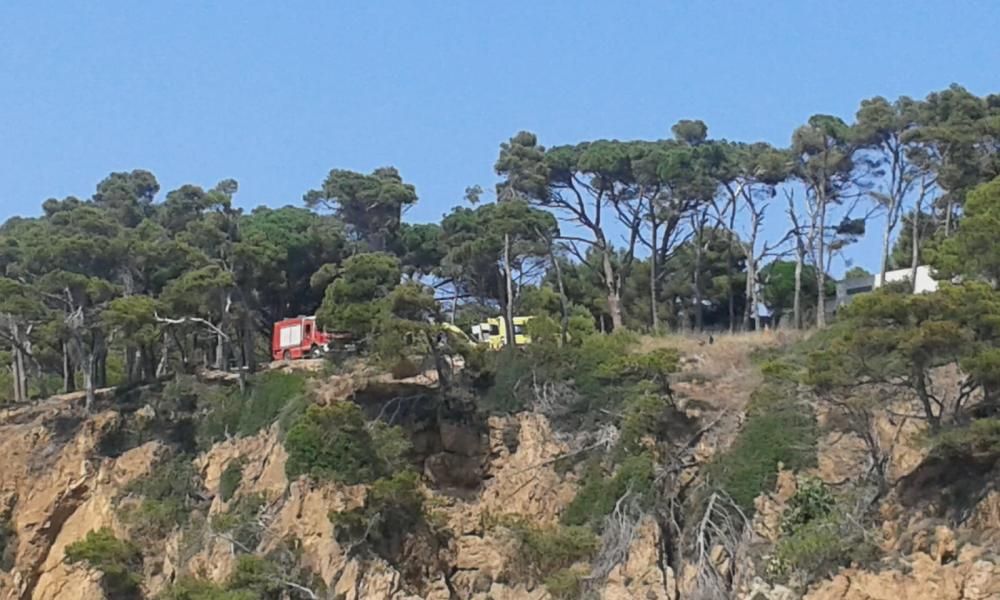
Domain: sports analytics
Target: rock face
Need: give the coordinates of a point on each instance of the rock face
(57, 483)
(59, 488)
(928, 579)
(640, 575)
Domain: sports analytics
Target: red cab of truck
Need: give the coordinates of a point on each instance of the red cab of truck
(298, 337)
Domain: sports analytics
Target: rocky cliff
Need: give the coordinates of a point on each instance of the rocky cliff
(64, 474)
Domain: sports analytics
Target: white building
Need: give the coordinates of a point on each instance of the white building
(925, 282)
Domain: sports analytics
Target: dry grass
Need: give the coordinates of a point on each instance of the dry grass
(727, 353)
(720, 374)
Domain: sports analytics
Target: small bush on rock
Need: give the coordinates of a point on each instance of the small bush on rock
(778, 429)
(230, 479)
(333, 443)
(119, 562)
(169, 493)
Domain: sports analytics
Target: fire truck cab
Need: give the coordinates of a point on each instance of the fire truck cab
(298, 337)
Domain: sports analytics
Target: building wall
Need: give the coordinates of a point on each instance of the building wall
(925, 283)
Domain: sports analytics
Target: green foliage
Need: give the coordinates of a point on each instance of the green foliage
(371, 205)
(334, 443)
(819, 535)
(566, 584)
(199, 589)
(655, 366)
(230, 413)
(812, 501)
(355, 301)
(255, 577)
(392, 445)
(972, 251)
(980, 439)
(778, 287)
(230, 480)
(599, 493)
(903, 338)
(240, 521)
(169, 493)
(255, 574)
(778, 429)
(8, 545)
(815, 548)
(547, 549)
(781, 370)
(474, 241)
(393, 508)
(119, 562)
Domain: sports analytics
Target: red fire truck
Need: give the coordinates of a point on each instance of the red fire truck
(299, 337)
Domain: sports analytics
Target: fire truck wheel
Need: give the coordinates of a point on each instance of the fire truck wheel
(316, 352)
(287, 355)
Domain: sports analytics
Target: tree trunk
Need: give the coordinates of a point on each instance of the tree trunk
(730, 270)
(563, 302)
(69, 375)
(915, 248)
(440, 364)
(654, 313)
(19, 369)
(614, 300)
(797, 302)
(161, 366)
(947, 217)
(920, 383)
(751, 296)
(752, 312)
(249, 347)
(88, 381)
(699, 316)
(101, 366)
(509, 292)
(820, 242)
(220, 353)
(886, 234)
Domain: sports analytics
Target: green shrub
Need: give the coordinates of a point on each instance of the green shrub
(819, 548)
(393, 508)
(240, 521)
(655, 366)
(552, 548)
(547, 549)
(265, 575)
(119, 562)
(199, 589)
(646, 413)
(232, 413)
(8, 545)
(979, 439)
(392, 445)
(818, 535)
(565, 584)
(778, 429)
(598, 494)
(230, 480)
(169, 495)
(592, 365)
(781, 370)
(332, 443)
(254, 578)
(507, 391)
(811, 501)
(255, 574)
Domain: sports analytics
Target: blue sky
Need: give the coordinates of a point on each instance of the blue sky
(275, 94)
